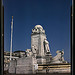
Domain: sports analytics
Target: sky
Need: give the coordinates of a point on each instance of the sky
(52, 15)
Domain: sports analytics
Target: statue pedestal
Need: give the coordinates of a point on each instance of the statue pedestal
(48, 58)
(41, 60)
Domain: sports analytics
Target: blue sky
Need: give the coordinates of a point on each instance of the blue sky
(53, 15)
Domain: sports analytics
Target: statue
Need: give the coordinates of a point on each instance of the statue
(34, 50)
(46, 45)
(59, 57)
(38, 29)
(28, 52)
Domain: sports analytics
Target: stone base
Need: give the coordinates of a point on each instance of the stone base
(24, 70)
(41, 61)
(48, 58)
(55, 68)
(57, 61)
(60, 70)
(12, 66)
(23, 66)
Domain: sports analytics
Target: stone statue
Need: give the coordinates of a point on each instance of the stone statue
(59, 57)
(28, 52)
(46, 45)
(34, 50)
(38, 29)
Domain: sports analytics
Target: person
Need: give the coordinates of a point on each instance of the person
(47, 70)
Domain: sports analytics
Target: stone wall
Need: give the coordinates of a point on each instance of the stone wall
(23, 65)
(12, 66)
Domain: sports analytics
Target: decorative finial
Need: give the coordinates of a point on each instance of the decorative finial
(12, 17)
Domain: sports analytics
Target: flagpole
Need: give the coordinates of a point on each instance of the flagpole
(11, 38)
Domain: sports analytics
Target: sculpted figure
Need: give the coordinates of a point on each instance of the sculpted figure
(62, 58)
(28, 52)
(47, 45)
(38, 29)
(34, 51)
(59, 57)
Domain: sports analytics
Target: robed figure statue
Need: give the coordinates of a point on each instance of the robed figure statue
(46, 44)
